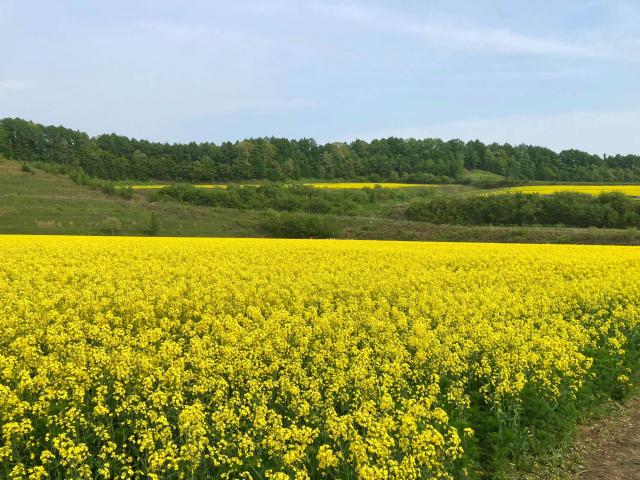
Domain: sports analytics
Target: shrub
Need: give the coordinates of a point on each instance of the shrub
(111, 225)
(108, 188)
(299, 225)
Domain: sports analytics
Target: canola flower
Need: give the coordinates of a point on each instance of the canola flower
(358, 185)
(159, 186)
(631, 190)
(276, 359)
(335, 186)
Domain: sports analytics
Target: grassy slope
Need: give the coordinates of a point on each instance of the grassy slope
(44, 203)
(41, 203)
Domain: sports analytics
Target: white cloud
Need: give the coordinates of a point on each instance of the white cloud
(450, 35)
(608, 132)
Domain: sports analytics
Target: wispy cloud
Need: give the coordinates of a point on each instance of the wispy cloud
(454, 35)
(609, 132)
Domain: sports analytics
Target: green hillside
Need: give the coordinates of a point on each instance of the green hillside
(42, 203)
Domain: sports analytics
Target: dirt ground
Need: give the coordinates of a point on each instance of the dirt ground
(610, 448)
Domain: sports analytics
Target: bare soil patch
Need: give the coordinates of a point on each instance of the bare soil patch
(610, 447)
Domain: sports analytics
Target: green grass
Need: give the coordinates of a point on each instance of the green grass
(42, 203)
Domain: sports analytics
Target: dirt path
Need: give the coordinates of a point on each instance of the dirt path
(610, 448)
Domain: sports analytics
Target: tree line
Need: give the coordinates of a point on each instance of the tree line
(117, 157)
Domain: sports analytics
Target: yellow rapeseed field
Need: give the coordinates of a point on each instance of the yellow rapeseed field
(357, 185)
(158, 186)
(335, 186)
(276, 359)
(632, 190)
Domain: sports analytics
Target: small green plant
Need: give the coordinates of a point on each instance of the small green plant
(125, 192)
(26, 168)
(108, 188)
(154, 224)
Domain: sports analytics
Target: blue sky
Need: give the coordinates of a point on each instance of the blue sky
(562, 73)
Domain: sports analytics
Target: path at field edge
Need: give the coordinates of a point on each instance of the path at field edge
(610, 448)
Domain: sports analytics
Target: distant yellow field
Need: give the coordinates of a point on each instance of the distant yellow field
(632, 190)
(336, 186)
(345, 186)
(152, 187)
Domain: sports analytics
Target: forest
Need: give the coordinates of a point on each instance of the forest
(431, 160)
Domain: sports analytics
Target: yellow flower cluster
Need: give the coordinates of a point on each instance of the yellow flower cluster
(277, 359)
(329, 185)
(357, 185)
(632, 190)
(159, 186)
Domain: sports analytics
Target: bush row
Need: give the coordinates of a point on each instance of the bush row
(607, 210)
(290, 198)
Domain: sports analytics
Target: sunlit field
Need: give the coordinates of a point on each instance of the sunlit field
(246, 358)
(337, 186)
(632, 190)
(343, 186)
(158, 186)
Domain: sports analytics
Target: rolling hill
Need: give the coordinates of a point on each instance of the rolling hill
(41, 203)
